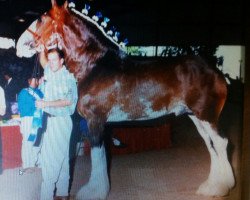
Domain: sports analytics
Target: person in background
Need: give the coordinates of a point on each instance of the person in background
(27, 109)
(12, 88)
(59, 102)
(2, 112)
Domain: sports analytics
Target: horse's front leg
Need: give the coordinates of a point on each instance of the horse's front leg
(98, 184)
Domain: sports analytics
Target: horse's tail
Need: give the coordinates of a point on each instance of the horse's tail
(220, 86)
(216, 98)
(207, 96)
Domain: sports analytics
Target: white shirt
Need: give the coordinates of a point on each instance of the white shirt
(60, 85)
(2, 102)
(8, 82)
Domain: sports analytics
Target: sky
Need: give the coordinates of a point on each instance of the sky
(234, 57)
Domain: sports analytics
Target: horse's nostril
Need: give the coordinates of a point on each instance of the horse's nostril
(32, 45)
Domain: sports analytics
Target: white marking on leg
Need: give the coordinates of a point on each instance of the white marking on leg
(221, 178)
(98, 184)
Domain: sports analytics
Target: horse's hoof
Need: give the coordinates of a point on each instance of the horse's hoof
(213, 189)
(88, 193)
(83, 198)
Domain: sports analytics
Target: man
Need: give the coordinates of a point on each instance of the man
(11, 89)
(27, 109)
(60, 98)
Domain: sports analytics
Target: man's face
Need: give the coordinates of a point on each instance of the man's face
(55, 62)
(33, 83)
(6, 77)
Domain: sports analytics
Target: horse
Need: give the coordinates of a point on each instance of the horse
(113, 87)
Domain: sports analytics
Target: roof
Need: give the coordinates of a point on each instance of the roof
(159, 22)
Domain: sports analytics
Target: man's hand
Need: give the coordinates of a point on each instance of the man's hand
(40, 48)
(57, 103)
(41, 104)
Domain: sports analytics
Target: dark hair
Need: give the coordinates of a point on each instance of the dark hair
(7, 72)
(58, 51)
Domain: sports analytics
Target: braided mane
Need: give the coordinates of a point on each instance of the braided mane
(108, 35)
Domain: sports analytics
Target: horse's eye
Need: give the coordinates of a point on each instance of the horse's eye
(39, 19)
(42, 17)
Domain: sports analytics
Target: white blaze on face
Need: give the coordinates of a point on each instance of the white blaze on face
(24, 44)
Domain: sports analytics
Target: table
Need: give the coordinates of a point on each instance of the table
(139, 139)
(11, 146)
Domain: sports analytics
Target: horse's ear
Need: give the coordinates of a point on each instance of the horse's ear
(65, 5)
(53, 3)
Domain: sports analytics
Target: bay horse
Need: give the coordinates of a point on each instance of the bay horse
(112, 87)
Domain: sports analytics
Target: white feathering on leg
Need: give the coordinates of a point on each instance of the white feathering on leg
(221, 178)
(98, 184)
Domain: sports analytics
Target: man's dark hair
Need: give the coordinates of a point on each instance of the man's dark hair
(58, 51)
(7, 72)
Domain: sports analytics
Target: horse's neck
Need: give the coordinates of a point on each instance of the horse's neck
(79, 58)
(84, 50)
(81, 65)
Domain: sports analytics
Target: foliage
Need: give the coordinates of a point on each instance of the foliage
(207, 52)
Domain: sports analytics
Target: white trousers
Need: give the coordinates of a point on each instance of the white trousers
(29, 152)
(54, 157)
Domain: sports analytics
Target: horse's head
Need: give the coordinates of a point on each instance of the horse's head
(82, 41)
(46, 31)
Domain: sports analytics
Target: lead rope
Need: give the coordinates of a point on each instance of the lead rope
(36, 70)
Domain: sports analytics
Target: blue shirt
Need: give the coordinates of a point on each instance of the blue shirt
(26, 102)
(60, 85)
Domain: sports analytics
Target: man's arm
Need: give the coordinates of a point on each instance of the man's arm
(43, 59)
(42, 55)
(57, 103)
(22, 100)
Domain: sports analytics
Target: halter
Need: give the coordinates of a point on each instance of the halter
(33, 33)
(36, 70)
(54, 34)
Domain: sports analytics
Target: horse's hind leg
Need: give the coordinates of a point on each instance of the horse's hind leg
(98, 184)
(221, 178)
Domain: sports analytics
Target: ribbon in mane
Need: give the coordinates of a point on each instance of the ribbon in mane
(95, 19)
